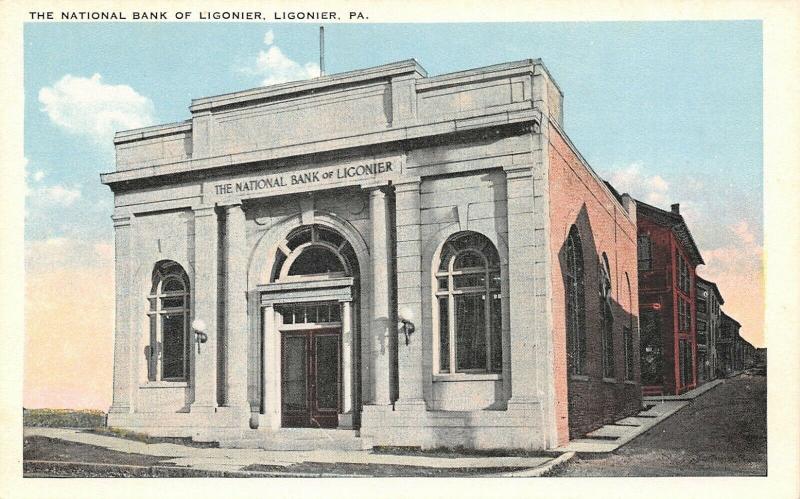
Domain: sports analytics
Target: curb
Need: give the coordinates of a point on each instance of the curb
(198, 472)
(540, 470)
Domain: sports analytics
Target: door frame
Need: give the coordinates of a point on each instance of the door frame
(269, 332)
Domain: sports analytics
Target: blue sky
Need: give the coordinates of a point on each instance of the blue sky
(668, 111)
(679, 99)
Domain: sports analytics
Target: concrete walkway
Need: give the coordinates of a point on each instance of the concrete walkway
(690, 395)
(610, 437)
(219, 459)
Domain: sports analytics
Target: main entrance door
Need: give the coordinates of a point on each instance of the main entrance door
(311, 378)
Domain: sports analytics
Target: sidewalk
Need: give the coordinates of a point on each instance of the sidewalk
(235, 460)
(690, 395)
(610, 437)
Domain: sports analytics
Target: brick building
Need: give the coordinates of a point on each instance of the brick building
(707, 305)
(668, 257)
(728, 345)
(378, 257)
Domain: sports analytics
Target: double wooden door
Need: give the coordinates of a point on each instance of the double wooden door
(311, 378)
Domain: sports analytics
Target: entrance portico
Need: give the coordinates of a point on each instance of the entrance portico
(308, 350)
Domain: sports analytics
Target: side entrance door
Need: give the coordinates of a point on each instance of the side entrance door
(311, 378)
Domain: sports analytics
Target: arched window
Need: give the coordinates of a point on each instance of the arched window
(168, 351)
(574, 290)
(607, 319)
(314, 251)
(468, 301)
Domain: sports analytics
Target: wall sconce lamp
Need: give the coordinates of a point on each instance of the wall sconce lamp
(407, 327)
(200, 336)
(405, 324)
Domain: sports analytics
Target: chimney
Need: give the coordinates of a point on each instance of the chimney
(676, 208)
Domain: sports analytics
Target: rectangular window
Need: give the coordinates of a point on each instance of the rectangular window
(684, 315)
(684, 279)
(444, 336)
(470, 332)
(320, 313)
(651, 349)
(497, 331)
(173, 346)
(645, 252)
(702, 306)
(685, 362)
(628, 337)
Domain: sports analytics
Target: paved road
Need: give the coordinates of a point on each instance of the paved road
(721, 433)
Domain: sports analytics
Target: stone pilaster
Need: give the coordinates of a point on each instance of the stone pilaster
(409, 292)
(404, 100)
(205, 308)
(272, 369)
(123, 366)
(521, 265)
(346, 418)
(236, 330)
(381, 311)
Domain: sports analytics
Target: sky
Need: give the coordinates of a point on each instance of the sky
(668, 111)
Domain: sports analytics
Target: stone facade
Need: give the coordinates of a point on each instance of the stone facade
(378, 251)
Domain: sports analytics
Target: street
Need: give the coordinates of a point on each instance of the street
(721, 433)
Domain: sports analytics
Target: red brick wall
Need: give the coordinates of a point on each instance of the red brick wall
(659, 291)
(578, 197)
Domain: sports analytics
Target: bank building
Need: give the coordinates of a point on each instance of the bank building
(376, 257)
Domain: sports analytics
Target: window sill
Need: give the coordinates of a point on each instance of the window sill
(609, 380)
(165, 384)
(630, 382)
(579, 377)
(449, 378)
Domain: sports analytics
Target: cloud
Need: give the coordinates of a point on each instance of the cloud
(274, 67)
(44, 255)
(737, 268)
(90, 108)
(634, 180)
(725, 228)
(743, 232)
(56, 194)
(47, 195)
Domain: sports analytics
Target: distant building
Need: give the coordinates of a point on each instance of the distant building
(668, 257)
(727, 349)
(707, 305)
(746, 354)
(761, 356)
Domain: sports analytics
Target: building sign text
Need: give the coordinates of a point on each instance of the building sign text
(302, 178)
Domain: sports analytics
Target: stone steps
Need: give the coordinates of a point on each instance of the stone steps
(299, 439)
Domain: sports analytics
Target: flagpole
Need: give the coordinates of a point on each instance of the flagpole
(321, 51)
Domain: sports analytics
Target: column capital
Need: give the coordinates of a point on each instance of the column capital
(518, 171)
(376, 191)
(121, 220)
(407, 184)
(228, 205)
(203, 211)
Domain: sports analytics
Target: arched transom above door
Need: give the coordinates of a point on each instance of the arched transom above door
(313, 251)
